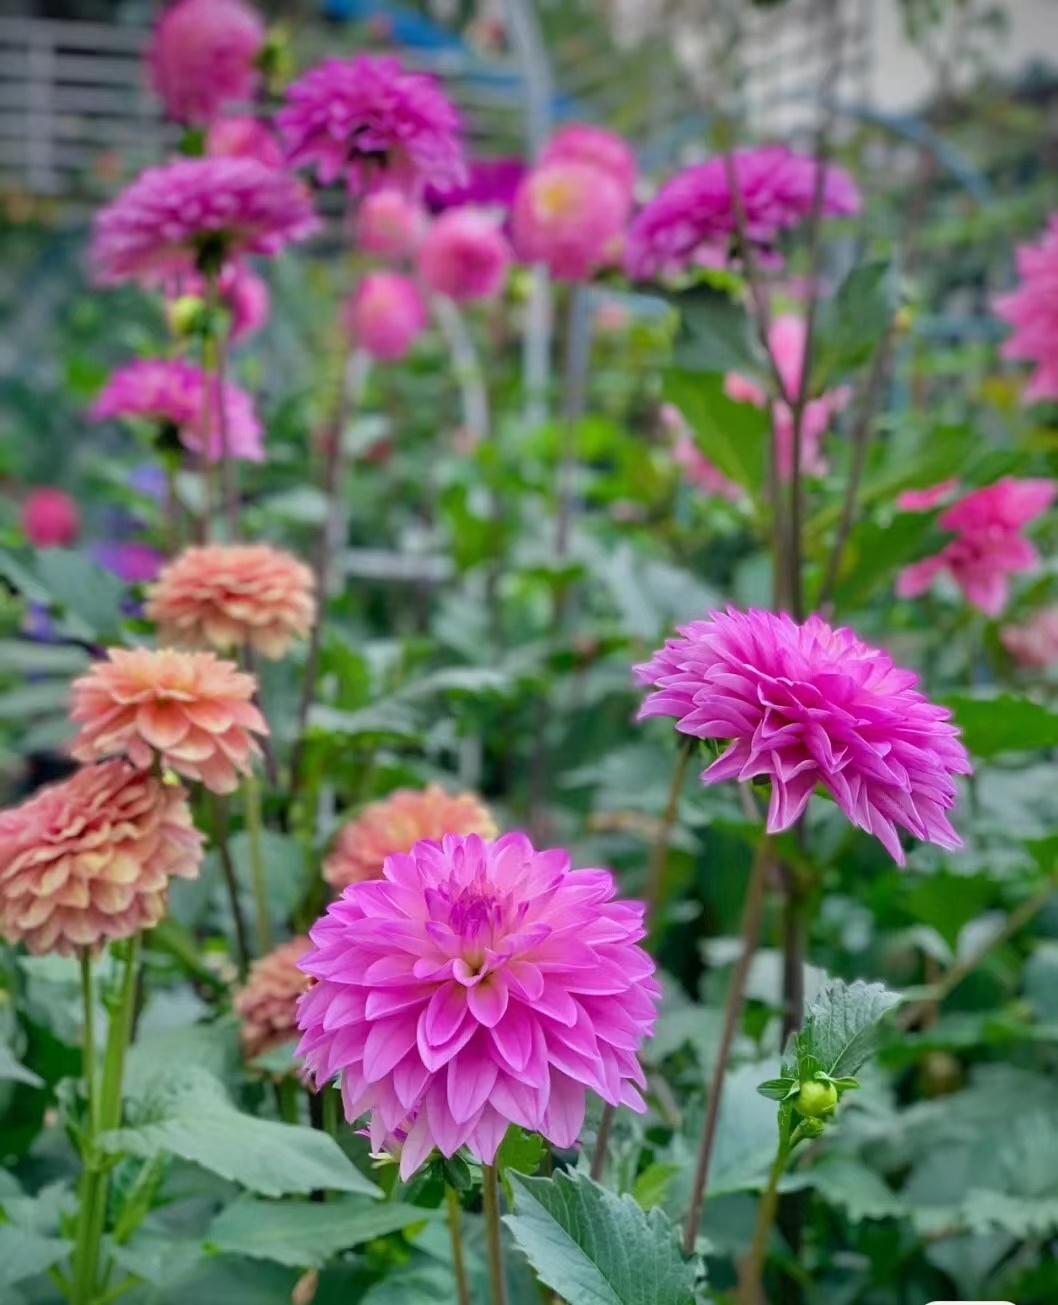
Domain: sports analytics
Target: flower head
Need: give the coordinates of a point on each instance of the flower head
(1032, 310)
(385, 315)
(197, 214)
(389, 224)
(699, 471)
(696, 207)
(233, 595)
(49, 518)
(203, 55)
(396, 824)
(192, 710)
(370, 122)
(489, 183)
(464, 255)
(568, 215)
(1034, 643)
(88, 861)
(244, 138)
(581, 142)
(806, 705)
(988, 546)
(478, 984)
(178, 394)
(267, 1003)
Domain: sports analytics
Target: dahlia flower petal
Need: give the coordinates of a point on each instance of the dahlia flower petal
(471, 1077)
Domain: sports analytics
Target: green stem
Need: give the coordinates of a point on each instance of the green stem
(88, 1054)
(455, 1232)
(219, 821)
(260, 890)
(602, 1141)
(331, 1098)
(753, 1265)
(287, 1100)
(493, 1231)
(653, 891)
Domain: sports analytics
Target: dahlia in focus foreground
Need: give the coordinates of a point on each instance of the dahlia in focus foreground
(396, 824)
(370, 122)
(807, 704)
(267, 1003)
(384, 316)
(202, 56)
(696, 208)
(569, 216)
(88, 861)
(192, 709)
(178, 394)
(233, 595)
(476, 985)
(1032, 310)
(196, 215)
(464, 255)
(988, 546)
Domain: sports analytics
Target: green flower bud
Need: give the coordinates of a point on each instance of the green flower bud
(187, 315)
(816, 1100)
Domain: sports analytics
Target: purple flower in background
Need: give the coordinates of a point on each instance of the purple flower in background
(134, 562)
(489, 183)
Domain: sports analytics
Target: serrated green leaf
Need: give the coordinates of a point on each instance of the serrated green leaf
(841, 1028)
(732, 435)
(651, 1186)
(1003, 723)
(596, 1248)
(303, 1234)
(852, 324)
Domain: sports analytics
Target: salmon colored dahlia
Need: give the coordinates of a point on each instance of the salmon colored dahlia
(88, 861)
(230, 595)
(193, 710)
(396, 824)
(476, 985)
(267, 1004)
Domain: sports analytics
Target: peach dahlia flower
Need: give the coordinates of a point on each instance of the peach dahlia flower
(192, 709)
(267, 1004)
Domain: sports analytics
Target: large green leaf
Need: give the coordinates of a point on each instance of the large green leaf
(852, 324)
(596, 1248)
(389, 721)
(83, 589)
(715, 333)
(13, 1071)
(840, 1030)
(24, 1254)
(733, 435)
(303, 1234)
(1003, 723)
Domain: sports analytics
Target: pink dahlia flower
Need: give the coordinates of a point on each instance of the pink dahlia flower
(197, 214)
(242, 292)
(786, 341)
(1034, 643)
(173, 392)
(244, 138)
(385, 315)
(389, 224)
(807, 705)
(1032, 310)
(203, 55)
(464, 255)
(696, 208)
(476, 985)
(580, 142)
(369, 121)
(925, 500)
(49, 518)
(988, 546)
(568, 215)
(699, 471)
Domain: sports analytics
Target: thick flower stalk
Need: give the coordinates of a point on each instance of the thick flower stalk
(1032, 310)
(230, 596)
(267, 1003)
(395, 824)
(203, 55)
(478, 984)
(88, 861)
(191, 710)
(807, 705)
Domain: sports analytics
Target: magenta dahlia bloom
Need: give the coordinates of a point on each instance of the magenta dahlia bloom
(203, 55)
(806, 705)
(369, 121)
(476, 985)
(385, 315)
(489, 183)
(197, 214)
(988, 546)
(696, 207)
(581, 142)
(925, 500)
(1032, 310)
(569, 216)
(464, 255)
(173, 393)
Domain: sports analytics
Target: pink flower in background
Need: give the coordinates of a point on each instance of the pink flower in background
(568, 216)
(696, 207)
(786, 341)
(385, 316)
(1034, 643)
(173, 392)
(244, 138)
(925, 500)
(389, 224)
(988, 546)
(476, 985)
(203, 55)
(489, 183)
(580, 142)
(806, 705)
(49, 518)
(464, 255)
(685, 453)
(1032, 310)
(242, 292)
(197, 214)
(369, 122)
